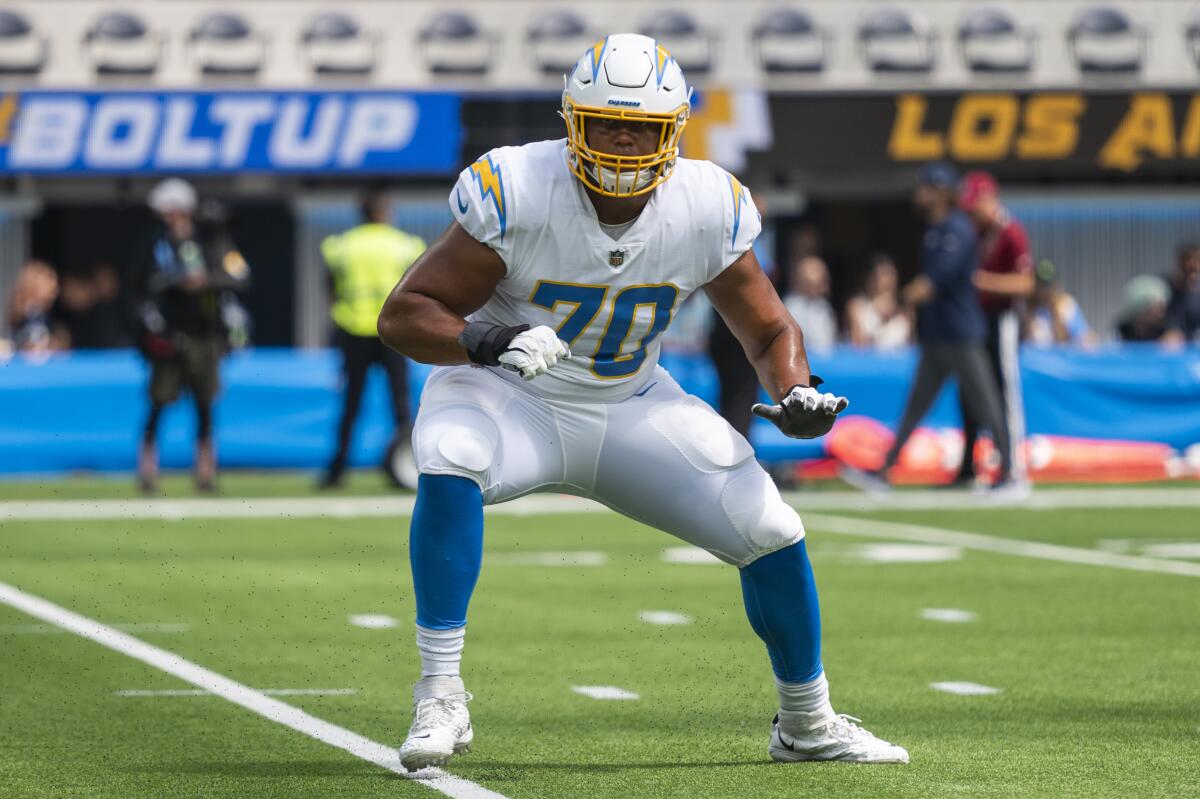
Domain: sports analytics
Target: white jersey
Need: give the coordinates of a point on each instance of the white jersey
(610, 300)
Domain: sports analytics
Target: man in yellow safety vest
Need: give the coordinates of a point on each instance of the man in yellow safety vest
(365, 263)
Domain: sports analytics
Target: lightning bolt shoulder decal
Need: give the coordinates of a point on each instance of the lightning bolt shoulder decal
(490, 182)
(739, 199)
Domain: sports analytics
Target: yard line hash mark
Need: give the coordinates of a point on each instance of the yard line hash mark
(689, 555)
(233, 691)
(664, 617)
(374, 621)
(872, 528)
(604, 692)
(948, 615)
(964, 688)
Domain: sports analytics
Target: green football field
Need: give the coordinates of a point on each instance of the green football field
(1080, 661)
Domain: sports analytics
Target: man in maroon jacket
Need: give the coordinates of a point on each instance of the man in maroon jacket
(1005, 278)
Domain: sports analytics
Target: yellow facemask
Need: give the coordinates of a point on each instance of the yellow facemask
(622, 175)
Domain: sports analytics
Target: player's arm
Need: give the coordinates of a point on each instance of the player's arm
(772, 339)
(425, 315)
(774, 344)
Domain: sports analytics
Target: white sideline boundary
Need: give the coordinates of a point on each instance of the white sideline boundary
(537, 505)
(874, 528)
(233, 691)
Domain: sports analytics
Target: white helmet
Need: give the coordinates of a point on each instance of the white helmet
(630, 77)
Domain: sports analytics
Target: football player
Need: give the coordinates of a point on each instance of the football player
(542, 305)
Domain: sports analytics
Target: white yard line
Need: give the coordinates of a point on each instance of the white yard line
(873, 528)
(1043, 499)
(132, 627)
(235, 692)
(136, 692)
(270, 508)
(352, 507)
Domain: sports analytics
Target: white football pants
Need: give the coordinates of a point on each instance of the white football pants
(660, 457)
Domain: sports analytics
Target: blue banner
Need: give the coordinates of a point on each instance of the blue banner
(279, 408)
(53, 132)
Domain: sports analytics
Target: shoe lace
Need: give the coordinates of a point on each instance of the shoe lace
(438, 710)
(845, 727)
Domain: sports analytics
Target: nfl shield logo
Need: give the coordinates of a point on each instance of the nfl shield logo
(616, 257)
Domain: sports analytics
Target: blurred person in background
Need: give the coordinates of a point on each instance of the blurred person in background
(1143, 315)
(35, 329)
(1005, 278)
(89, 306)
(1052, 316)
(1183, 309)
(950, 327)
(183, 303)
(365, 263)
(807, 300)
(874, 317)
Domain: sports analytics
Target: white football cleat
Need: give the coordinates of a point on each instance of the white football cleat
(441, 725)
(840, 738)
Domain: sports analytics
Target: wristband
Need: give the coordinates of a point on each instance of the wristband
(484, 342)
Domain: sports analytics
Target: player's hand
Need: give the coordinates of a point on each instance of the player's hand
(534, 352)
(804, 412)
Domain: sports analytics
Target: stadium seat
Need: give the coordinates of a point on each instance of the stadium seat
(120, 44)
(787, 40)
(1102, 39)
(224, 44)
(897, 41)
(556, 39)
(452, 43)
(22, 50)
(679, 33)
(334, 43)
(990, 41)
(1192, 34)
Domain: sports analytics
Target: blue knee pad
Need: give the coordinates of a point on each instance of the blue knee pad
(445, 548)
(781, 600)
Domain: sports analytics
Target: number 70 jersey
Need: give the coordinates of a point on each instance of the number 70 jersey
(609, 299)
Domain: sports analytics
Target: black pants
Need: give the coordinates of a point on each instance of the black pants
(1000, 349)
(358, 354)
(736, 376)
(968, 363)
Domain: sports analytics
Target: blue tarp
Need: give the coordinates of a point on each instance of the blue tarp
(279, 407)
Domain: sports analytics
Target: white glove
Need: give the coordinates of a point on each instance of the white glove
(534, 352)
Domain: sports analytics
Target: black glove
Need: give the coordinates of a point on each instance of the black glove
(804, 412)
(485, 342)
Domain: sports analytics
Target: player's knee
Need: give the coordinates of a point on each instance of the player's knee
(457, 441)
(765, 522)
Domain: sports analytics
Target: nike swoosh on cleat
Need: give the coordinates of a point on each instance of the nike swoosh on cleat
(426, 735)
(462, 206)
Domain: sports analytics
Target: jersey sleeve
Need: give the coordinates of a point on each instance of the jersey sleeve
(742, 223)
(482, 202)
